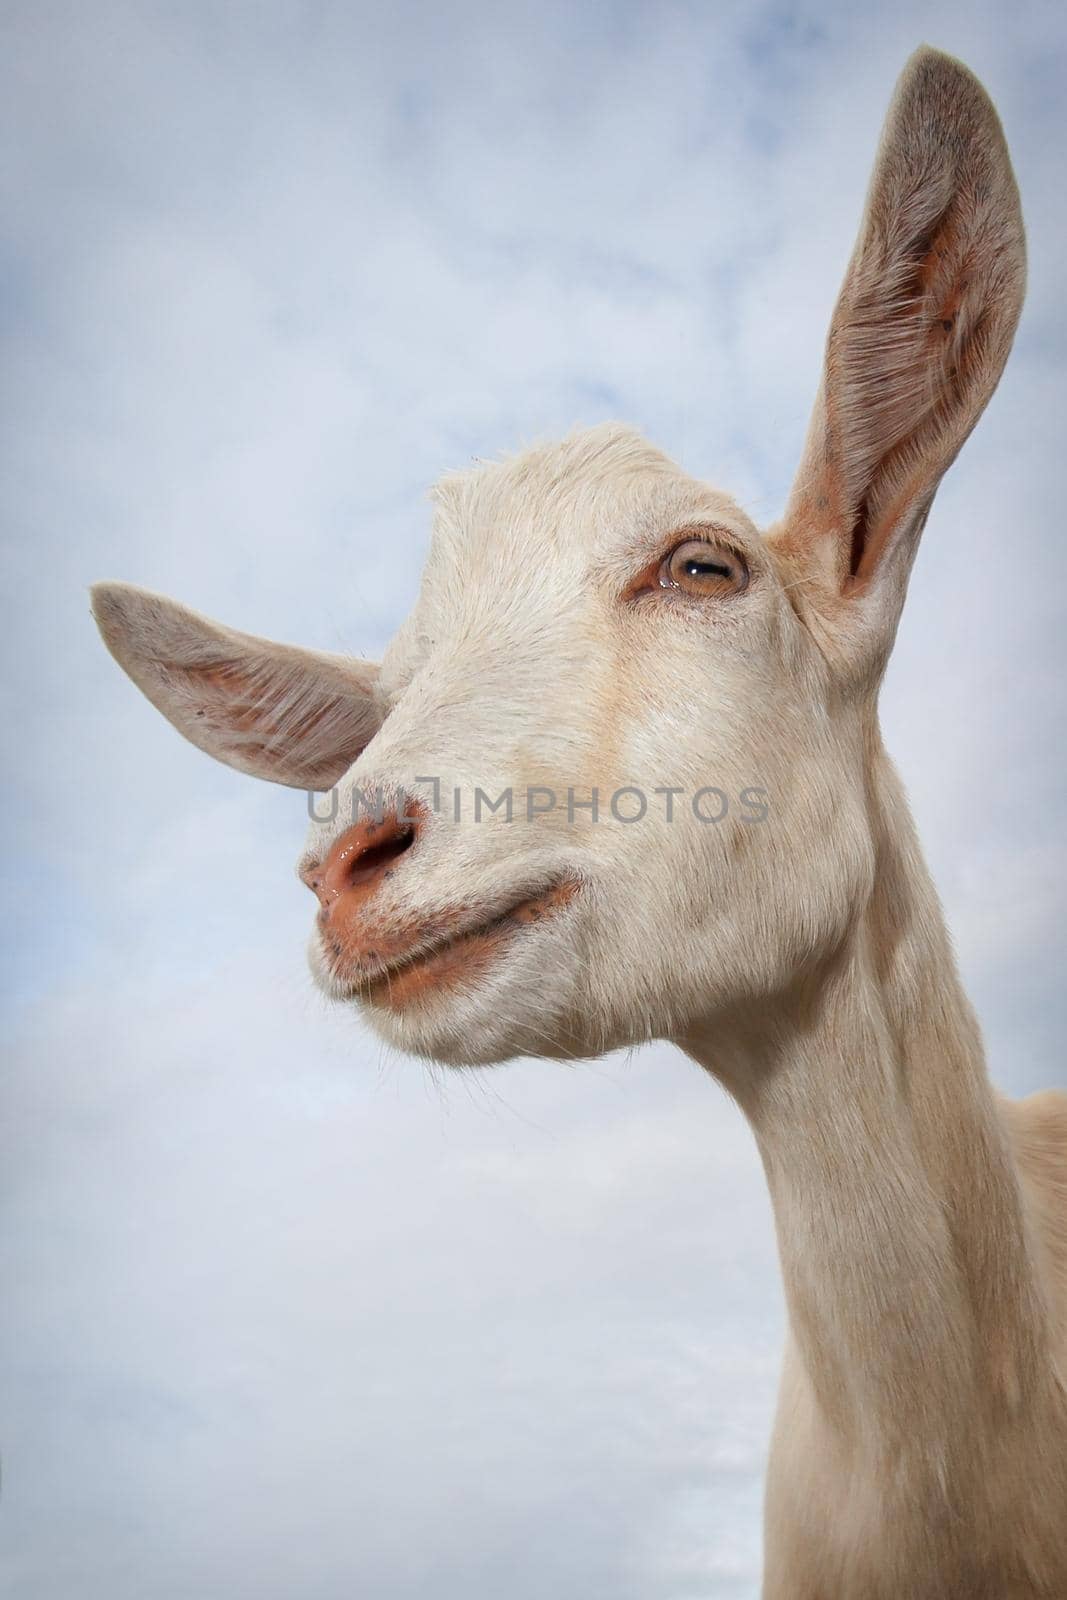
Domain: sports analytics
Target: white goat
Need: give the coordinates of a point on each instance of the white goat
(594, 621)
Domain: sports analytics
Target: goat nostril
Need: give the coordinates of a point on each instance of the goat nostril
(355, 863)
(369, 863)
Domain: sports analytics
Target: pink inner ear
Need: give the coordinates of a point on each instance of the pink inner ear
(923, 349)
(918, 339)
(275, 717)
(859, 540)
(290, 716)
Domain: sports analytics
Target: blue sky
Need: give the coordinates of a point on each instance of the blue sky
(286, 1315)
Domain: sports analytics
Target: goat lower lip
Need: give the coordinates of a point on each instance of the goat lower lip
(465, 956)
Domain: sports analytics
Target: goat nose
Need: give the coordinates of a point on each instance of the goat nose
(360, 859)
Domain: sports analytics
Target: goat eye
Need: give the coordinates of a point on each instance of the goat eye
(701, 568)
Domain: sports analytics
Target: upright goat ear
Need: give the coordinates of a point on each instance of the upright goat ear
(290, 716)
(917, 343)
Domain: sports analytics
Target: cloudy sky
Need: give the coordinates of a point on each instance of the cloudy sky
(285, 1315)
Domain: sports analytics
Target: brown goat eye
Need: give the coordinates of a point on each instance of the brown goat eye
(702, 568)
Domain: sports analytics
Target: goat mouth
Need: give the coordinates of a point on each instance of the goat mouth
(463, 958)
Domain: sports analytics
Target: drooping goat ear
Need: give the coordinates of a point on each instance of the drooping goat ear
(917, 343)
(291, 716)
